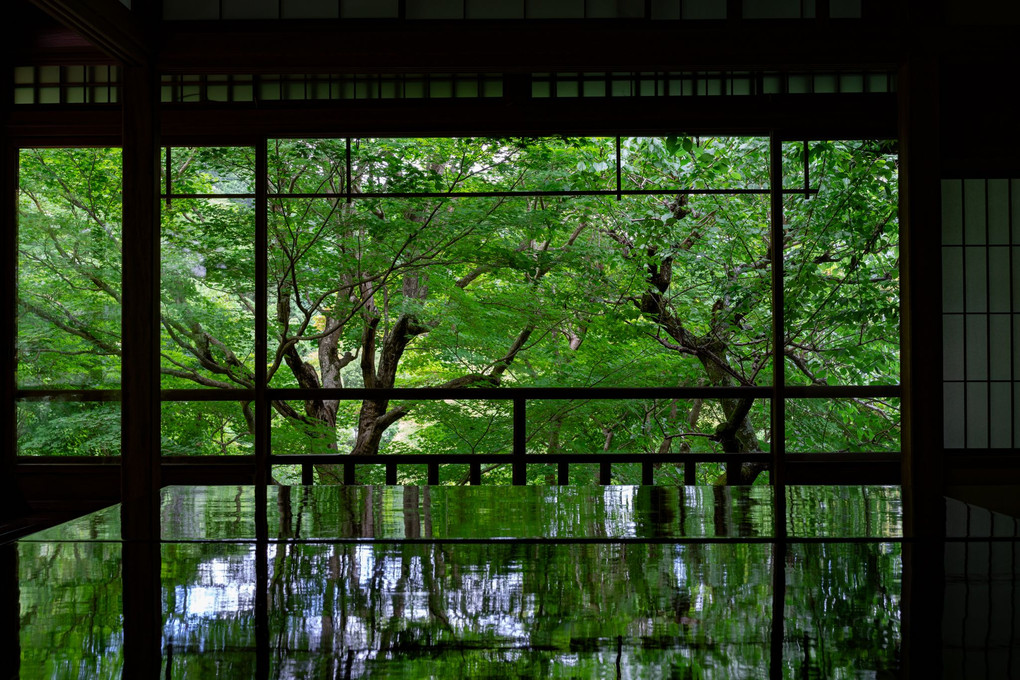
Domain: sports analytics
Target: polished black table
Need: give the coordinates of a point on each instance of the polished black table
(531, 581)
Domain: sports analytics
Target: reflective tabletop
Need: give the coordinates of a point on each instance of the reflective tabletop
(613, 581)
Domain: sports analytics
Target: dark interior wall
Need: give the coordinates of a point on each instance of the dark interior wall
(981, 13)
(979, 146)
(977, 115)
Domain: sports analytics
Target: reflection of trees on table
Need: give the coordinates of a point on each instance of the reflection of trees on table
(638, 594)
(71, 604)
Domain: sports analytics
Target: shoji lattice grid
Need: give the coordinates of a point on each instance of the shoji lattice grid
(66, 84)
(981, 312)
(708, 83)
(190, 89)
(693, 10)
(241, 88)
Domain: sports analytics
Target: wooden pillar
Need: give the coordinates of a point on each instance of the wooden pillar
(921, 280)
(140, 439)
(921, 348)
(12, 503)
(140, 311)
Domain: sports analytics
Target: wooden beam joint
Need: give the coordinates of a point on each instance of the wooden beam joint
(107, 24)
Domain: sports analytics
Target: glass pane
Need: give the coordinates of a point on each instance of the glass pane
(543, 291)
(208, 293)
(845, 9)
(843, 425)
(307, 166)
(793, 164)
(211, 170)
(682, 162)
(771, 9)
(554, 9)
(68, 428)
(703, 9)
(69, 274)
(456, 165)
(249, 9)
(442, 427)
(666, 426)
(310, 9)
(435, 9)
(841, 260)
(453, 426)
(369, 9)
(494, 9)
(207, 428)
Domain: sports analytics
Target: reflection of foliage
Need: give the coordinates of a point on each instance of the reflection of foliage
(824, 626)
(71, 618)
(460, 290)
(666, 608)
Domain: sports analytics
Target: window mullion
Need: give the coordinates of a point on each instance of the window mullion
(778, 472)
(262, 466)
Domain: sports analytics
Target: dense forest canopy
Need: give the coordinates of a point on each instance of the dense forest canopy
(475, 262)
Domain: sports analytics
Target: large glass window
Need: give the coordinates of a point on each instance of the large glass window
(458, 309)
(69, 302)
(562, 272)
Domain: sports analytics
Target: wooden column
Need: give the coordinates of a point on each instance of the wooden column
(140, 439)
(921, 348)
(921, 279)
(140, 311)
(12, 503)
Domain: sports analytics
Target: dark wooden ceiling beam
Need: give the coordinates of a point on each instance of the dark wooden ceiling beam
(846, 116)
(107, 24)
(515, 46)
(836, 116)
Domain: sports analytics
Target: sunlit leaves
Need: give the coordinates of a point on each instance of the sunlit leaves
(506, 261)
